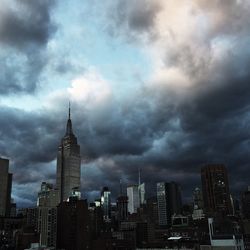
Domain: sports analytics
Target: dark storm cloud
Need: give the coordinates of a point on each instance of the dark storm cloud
(168, 131)
(209, 123)
(25, 29)
(177, 145)
(30, 141)
(33, 134)
(168, 142)
(25, 23)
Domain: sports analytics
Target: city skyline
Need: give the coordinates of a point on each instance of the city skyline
(161, 86)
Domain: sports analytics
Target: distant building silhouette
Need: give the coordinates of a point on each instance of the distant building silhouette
(68, 164)
(169, 202)
(215, 189)
(122, 208)
(5, 188)
(246, 203)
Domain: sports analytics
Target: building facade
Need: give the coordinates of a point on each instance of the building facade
(198, 213)
(168, 201)
(122, 208)
(73, 225)
(142, 193)
(215, 189)
(48, 199)
(245, 200)
(106, 204)
(68, 164)
(133, 198)
(5, 188)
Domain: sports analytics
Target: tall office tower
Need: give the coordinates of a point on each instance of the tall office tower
(122, 208)
(215, 189)
(169, 202)
(48, 199)
(5, 188)
(142, 193)
(133, 199)
(106, 203)
(245, 202)
(73, 225)
(68, 164)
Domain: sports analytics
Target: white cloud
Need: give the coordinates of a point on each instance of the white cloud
(90, 88)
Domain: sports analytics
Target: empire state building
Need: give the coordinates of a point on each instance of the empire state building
(68, 164)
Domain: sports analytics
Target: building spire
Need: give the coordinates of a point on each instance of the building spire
(69, 110)
(139, 176)
(69, 129)
(120, 186)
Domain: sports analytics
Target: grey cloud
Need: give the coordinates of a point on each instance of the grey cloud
(133, 18)
(210, 127)
(25, 24)
(139, 16)
(25, 29)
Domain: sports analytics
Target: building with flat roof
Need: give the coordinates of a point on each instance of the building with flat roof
(223, 241)
(5, 188)
(48, 199)
(215, 189)
(73, 231)
(133, 198)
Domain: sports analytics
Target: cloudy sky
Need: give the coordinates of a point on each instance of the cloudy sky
(159, 85)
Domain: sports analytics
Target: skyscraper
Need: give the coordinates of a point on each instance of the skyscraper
(68, 163)
(5, 188)
(141, 189)
(215, 189)
(106, 203)
(133, 198)
(169, 201)
(142, 193)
